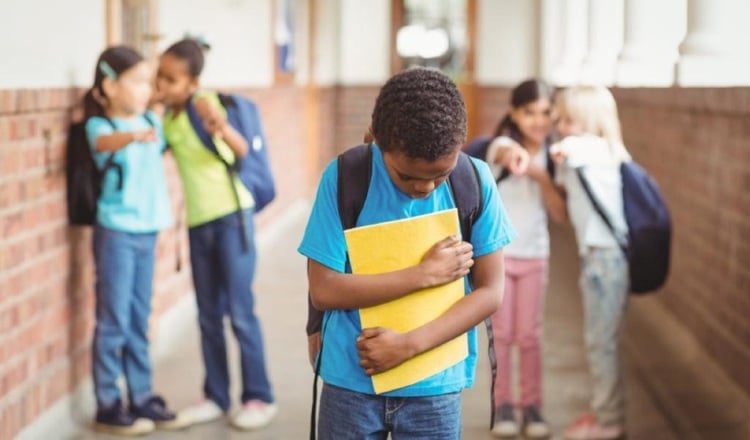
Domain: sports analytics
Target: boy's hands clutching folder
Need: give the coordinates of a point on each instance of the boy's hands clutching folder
(448, 260)
(380, 348)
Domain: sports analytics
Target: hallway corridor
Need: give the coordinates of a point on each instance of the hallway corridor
(674, 392)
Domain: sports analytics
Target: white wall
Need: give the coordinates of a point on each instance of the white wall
(325, 57)
(239, 32)
(507, 41)
(44, 44)
(364, 42)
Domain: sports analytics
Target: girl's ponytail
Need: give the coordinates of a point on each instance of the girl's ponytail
(507, 127)
(92, 105)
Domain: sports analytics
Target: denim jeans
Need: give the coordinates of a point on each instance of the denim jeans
(604, 282)
(124, 277)
(223, 271)
(351, 415)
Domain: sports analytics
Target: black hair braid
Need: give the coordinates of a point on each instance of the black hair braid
(420, 112)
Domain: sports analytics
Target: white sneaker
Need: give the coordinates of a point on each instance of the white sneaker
(254, 414)
(205, 411)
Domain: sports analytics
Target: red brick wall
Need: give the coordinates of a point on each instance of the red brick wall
(696, 143)
(46, 271)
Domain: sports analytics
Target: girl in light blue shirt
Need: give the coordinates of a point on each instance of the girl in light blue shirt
(133, 206)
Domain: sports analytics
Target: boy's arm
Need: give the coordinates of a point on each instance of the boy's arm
(381, 349)
(448, 260)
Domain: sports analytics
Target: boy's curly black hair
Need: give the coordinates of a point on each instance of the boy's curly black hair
(420, 113)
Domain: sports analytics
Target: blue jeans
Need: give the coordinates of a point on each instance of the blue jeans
(604, 282)
(351, 415)
(223, 271)
(124, 277)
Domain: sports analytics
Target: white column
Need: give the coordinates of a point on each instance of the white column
(605, 41)
(499, 22)
(550, 29)
(711, 52)
(364, 42)
(653, 29)
(574, 43)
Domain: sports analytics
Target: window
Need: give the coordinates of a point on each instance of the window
(432, 34)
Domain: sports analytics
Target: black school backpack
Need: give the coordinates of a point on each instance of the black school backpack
(83, 178)
(478, 148)
(647, 245)
(354, 172)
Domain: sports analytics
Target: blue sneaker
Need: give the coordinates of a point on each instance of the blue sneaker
(116, 419)
(155, 409)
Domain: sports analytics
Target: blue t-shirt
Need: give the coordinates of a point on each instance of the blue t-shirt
(324, 242)
(142, 205)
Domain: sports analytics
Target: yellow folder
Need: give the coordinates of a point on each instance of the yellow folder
(398, 244)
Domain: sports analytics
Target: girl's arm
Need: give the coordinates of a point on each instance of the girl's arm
(233, 138)
(552, 197)
(216, 124)
(381, 349)
(446, 261)
(120, 139)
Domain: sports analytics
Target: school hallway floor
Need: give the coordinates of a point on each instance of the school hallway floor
(673, 391)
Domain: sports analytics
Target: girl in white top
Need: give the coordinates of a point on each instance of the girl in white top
(592, 143)
(519, 154)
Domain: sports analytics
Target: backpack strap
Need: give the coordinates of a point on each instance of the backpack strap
(599, 208)
(208, 142)
(467, 193)
(354, 172)
(354, 168)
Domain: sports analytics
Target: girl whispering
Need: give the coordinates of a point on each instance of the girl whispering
(221, 233)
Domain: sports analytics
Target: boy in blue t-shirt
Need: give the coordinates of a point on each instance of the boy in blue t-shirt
(418, 126)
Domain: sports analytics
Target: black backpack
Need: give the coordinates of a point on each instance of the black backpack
(83, 178)
(647, 244)
(478, 148)
(354, 172)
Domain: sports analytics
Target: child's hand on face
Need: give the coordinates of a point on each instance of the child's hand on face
(447, 260)
(213, 120)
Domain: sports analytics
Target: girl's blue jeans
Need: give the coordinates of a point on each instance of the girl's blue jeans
(223, 271)
(124, 277)
(604, 282)
(351, 415)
